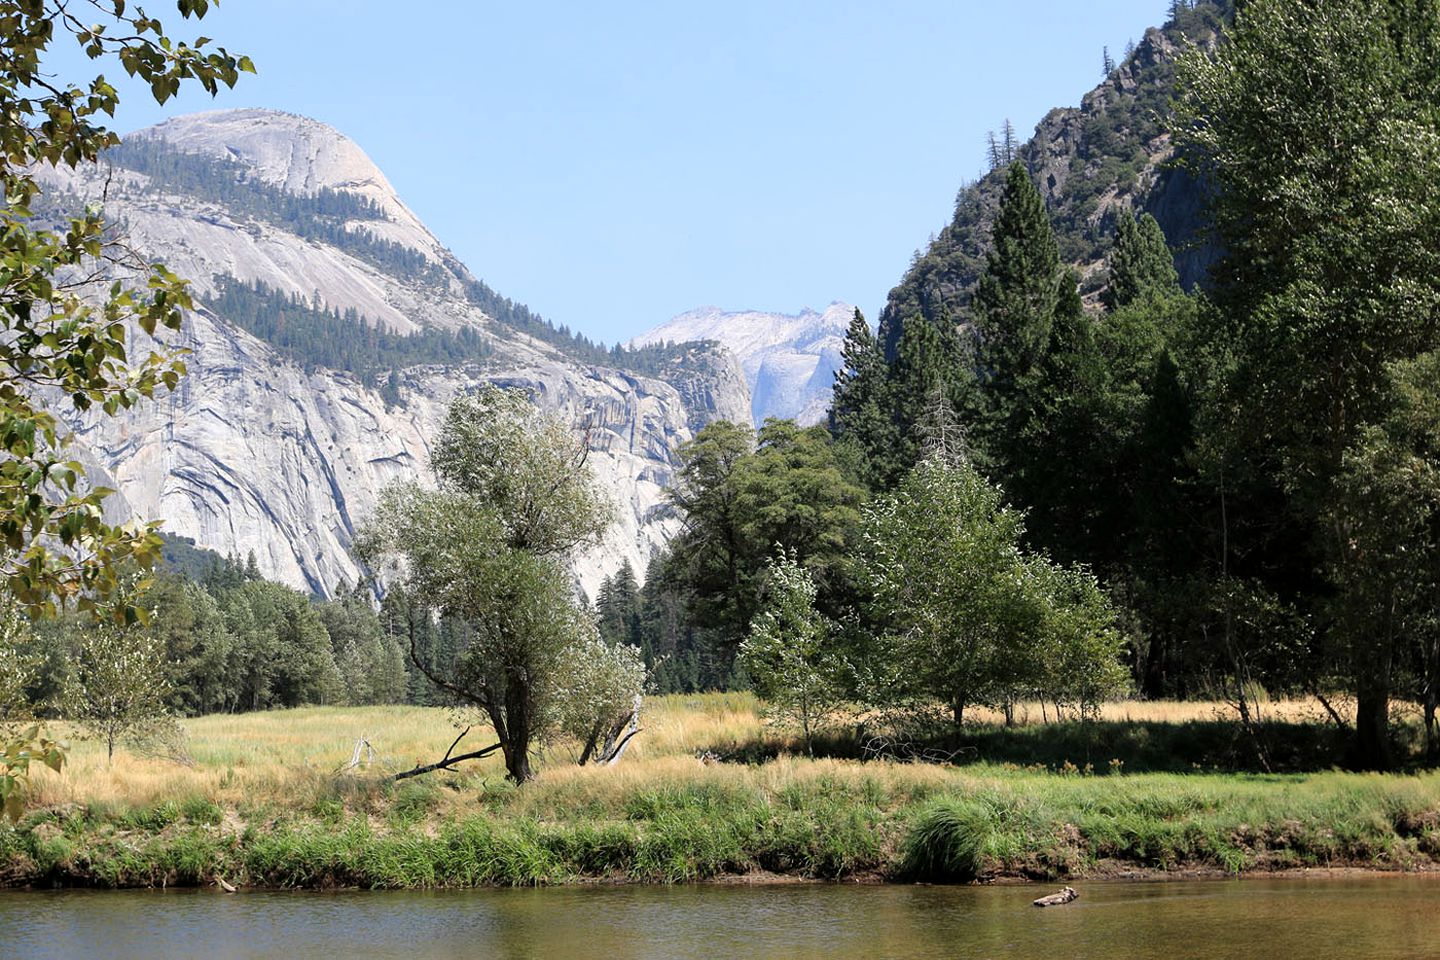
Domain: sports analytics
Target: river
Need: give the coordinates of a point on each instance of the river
(1370, 917)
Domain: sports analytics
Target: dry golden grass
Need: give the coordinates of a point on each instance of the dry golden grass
(265, 803)
(290, 758)
(1162, 711)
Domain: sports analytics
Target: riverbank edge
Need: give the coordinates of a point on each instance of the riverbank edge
(53, 850)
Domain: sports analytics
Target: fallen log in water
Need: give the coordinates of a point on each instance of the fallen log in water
(1056, 899)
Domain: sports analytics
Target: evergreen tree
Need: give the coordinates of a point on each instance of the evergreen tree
(1014, 309)
(860, 411)
(1009, 142)
(618, 607)
(928, 363)
(1141, 264)
(1056, 465)
(1107, 63)
(671, 642)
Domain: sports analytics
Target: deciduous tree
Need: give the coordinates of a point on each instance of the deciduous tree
(489, 547)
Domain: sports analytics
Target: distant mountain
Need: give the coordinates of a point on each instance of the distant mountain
(789, 359)
(334, 329)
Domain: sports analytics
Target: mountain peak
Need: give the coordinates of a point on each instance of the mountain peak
(296, 153)
(789, 359)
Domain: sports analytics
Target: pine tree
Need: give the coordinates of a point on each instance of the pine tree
(1141, 265)
(1016, 298)
(941, 431)
(993, 153)
(860, 415)
(928, 362)
(1009, 142)
(1107, 63)
(619, 606)
(1060, 425)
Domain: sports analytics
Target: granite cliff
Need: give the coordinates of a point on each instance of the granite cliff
(270, 444)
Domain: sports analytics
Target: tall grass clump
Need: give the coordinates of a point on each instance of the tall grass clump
(947, 840)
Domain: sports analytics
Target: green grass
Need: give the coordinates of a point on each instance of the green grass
(266, 806)
(990, 822)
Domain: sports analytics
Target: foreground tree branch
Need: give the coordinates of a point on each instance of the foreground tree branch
(447, 762)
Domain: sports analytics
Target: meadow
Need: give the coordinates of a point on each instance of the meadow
(709, 791)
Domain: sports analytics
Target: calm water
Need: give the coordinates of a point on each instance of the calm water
(1276, 919)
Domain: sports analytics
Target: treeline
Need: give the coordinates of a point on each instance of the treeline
(916, 603)
(325, 337)
(227, 642)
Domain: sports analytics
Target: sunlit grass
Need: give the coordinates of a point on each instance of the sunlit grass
(271, 798)
(287, 758)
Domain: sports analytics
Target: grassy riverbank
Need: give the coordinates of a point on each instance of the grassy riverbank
(265, 805)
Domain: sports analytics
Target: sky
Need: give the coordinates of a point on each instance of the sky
(612, 165)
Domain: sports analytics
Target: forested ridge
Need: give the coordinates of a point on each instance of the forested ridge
(339, 218)
(1093, 165)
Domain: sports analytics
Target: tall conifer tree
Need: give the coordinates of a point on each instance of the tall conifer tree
(860, 414)
(1141, 264)
(1014, 310)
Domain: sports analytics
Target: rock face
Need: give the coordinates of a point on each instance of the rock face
(255, 451)
(789, 359)
(1108, 157)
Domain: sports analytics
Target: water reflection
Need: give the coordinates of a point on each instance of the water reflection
(1374, 917)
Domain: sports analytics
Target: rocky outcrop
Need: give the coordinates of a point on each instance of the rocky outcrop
(254, 452)
(1106, 157)
(789, 359)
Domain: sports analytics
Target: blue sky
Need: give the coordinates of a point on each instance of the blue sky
(611, 165)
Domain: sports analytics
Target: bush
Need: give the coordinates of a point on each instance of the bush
(948, 840)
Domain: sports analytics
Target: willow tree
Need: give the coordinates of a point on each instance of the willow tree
(491, 546)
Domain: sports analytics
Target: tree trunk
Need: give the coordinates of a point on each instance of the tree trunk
(517, 762)
(1372, 727)
(1372, 664)
(517, 726)
(1432, 695)
(591, 743)
(1432, 749)
(1152, 681)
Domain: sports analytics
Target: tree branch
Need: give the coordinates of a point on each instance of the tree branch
(448, 762)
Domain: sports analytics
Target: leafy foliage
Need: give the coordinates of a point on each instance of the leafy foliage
(1317, 126)
(742, 495)
(118, 685)
(70, 306)
(489, 547)
(966, 616)
(17, 752)
(791, 652)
